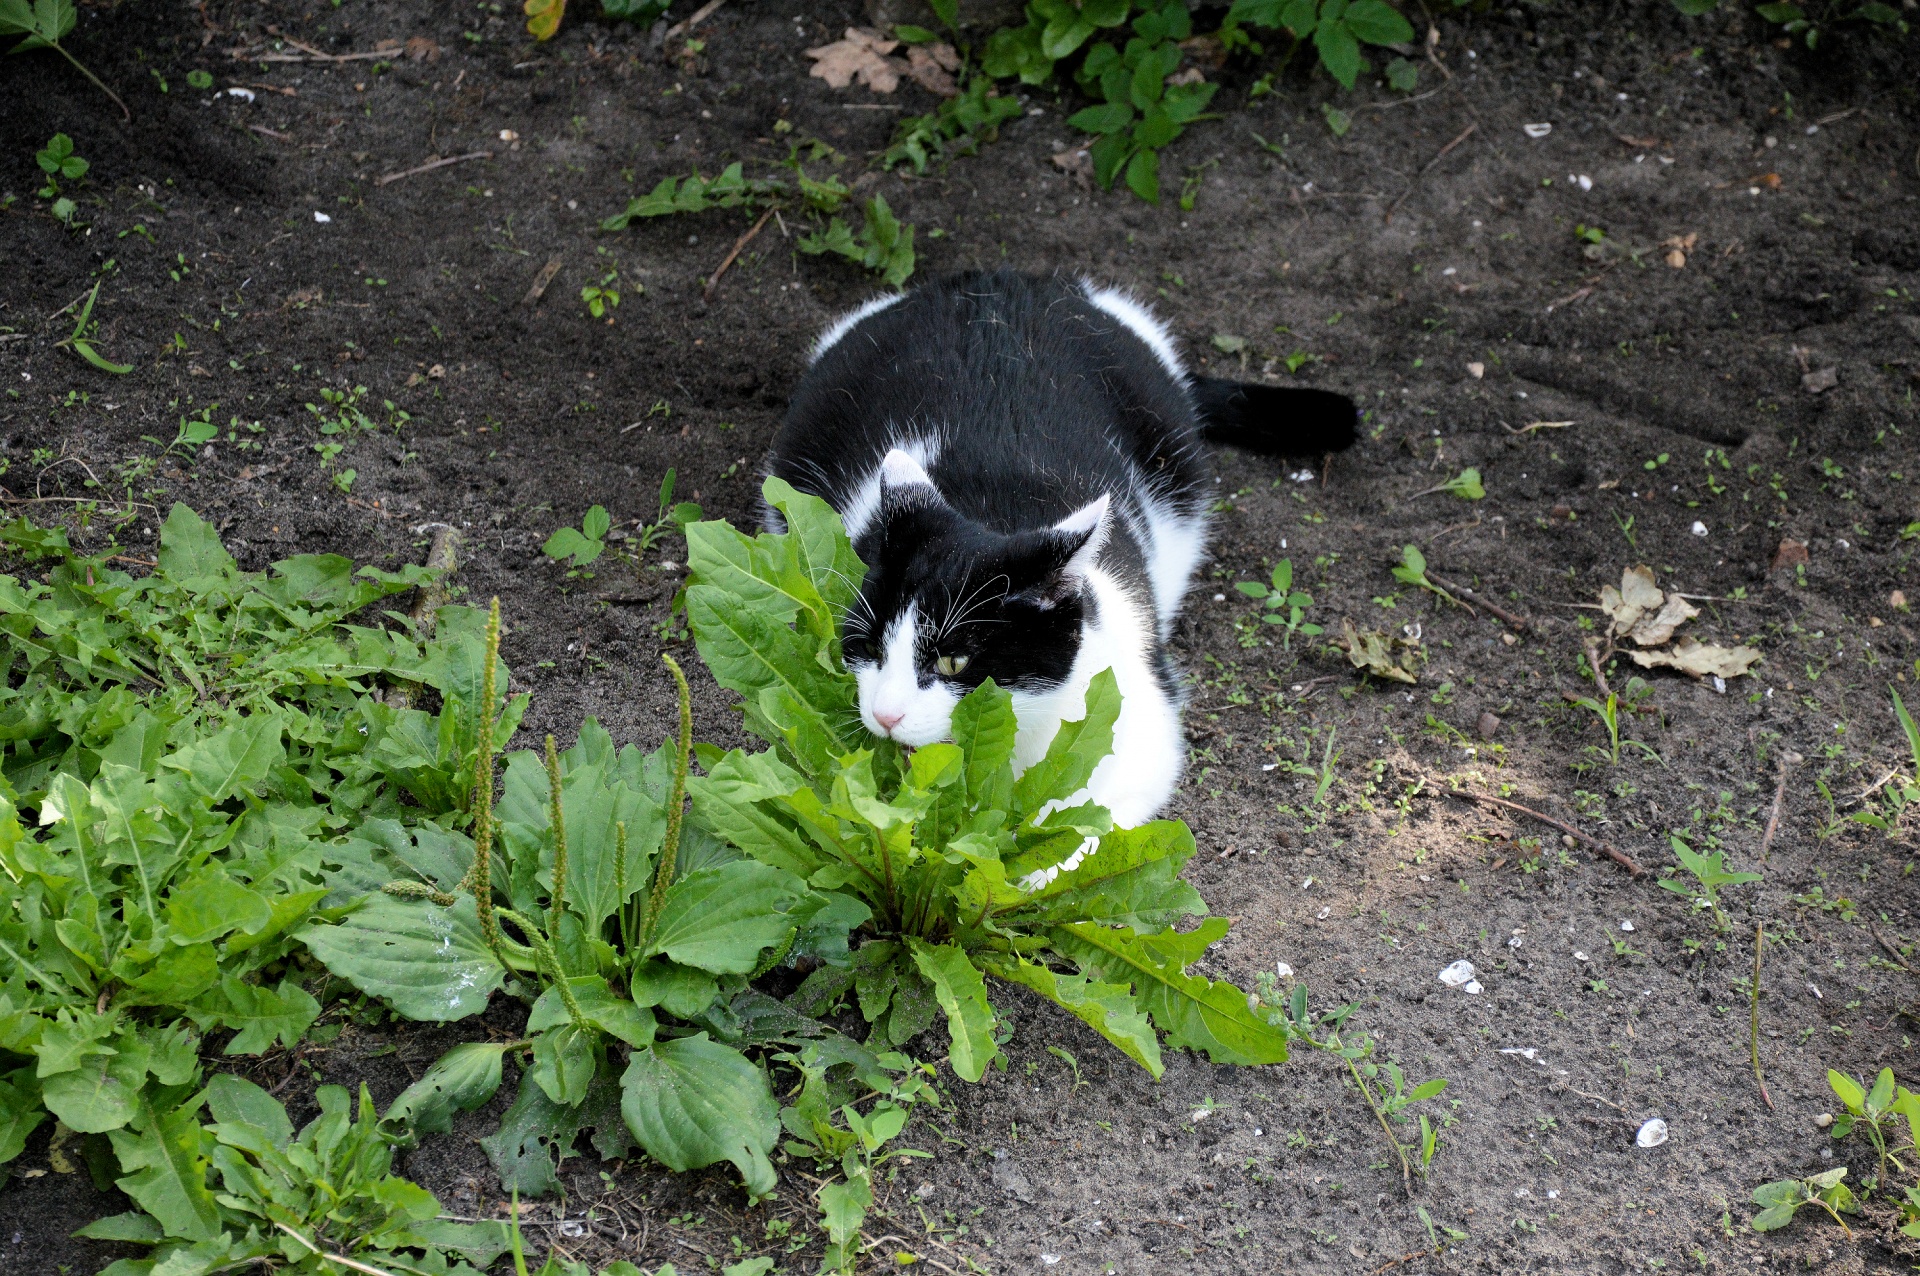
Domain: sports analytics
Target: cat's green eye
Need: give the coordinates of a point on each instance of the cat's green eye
(948, 666)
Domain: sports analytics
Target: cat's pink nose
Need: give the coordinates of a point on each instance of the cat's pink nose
(888, 721)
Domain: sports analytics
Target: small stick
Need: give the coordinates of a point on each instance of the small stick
(443, 556)
(1518, 622)
(738, 244)
(1597, 661)
(700, 15)
(538, 287)
(1753, 1027)
(1773, 819)
(430, 165)
(1619, 857)
(1892, 952)
(1464, 135)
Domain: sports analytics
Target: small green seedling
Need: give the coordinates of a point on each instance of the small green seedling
(1285, 606)
(57, 160)
(1872, 1111)
(1465, 485)
(81, 343)
(1900, 791)
(1412, 570)
(580, 545)
(195, 431)
(43, 23)
(670, 517)
(1710, 874)
(1780, 1201)
(603, 296)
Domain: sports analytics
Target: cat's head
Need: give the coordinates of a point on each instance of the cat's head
(948, 603)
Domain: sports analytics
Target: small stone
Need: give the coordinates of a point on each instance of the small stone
(1824, 1120)
(1283, 970)
(1626, 925)
(1566, 839)
(1820, 380)
(1488, 724)
(1790, 554)
(1699, 528)
(1458, 975)
(1579, 956)
(1897, 600)
(1476, 370)
(1652, 1134)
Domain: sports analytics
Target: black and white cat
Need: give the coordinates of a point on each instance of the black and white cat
(1020, 463)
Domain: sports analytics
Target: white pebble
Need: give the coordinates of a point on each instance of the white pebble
(321, 217)
(1652, 1134)
(1699, 528)
(1458, 975)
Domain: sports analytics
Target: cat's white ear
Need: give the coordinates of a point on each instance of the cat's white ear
(899, 469)
(1091, 521)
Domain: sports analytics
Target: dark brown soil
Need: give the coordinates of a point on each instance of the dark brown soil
(1463, 319)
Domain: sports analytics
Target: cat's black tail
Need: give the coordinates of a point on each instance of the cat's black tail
(1274, 420)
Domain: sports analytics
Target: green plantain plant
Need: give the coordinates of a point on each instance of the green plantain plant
(632, 933)
(962, 864)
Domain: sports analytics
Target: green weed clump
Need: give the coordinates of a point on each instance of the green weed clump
(943, 847)
(178, 751)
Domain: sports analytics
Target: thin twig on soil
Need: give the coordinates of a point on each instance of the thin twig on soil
(430, 165)
(275, 134)
(1607, 849)
(1773, 818)
(738, 244)
(1404, 1258)
(1461, 591)
(1597, 662)
(1892, 952)
(538, 287)
(700, 15)
(1753, 1019)
(1411, 186)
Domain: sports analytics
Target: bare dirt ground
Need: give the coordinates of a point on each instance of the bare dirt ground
(1620, 409)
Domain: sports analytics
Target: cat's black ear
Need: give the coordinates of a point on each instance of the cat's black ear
(1055, 562)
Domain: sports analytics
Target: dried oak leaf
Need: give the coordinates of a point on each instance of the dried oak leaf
(861, 56)
(931, 66)
(1641, 612)
(1380, 654)
(1699, 659)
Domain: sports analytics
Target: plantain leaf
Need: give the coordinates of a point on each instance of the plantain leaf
(693, 1102)
(427, 962)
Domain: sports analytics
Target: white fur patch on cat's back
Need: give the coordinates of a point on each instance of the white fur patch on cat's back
(846, 323)
(1176, 543)
(865, 501)
(1141, 321)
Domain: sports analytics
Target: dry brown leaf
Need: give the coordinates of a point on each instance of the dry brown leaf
(859, 56)
(931, 66)
(1820, 380)
(1077, 163)
(421, 49)
(1641, 612)
(1192, 75)
(1381, 655)
(1700, 659)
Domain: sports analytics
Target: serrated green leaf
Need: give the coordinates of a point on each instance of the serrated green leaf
(962, 993)
(164, 1155)
(264, 1015)
(1195, 1013)
(1109, 1009)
